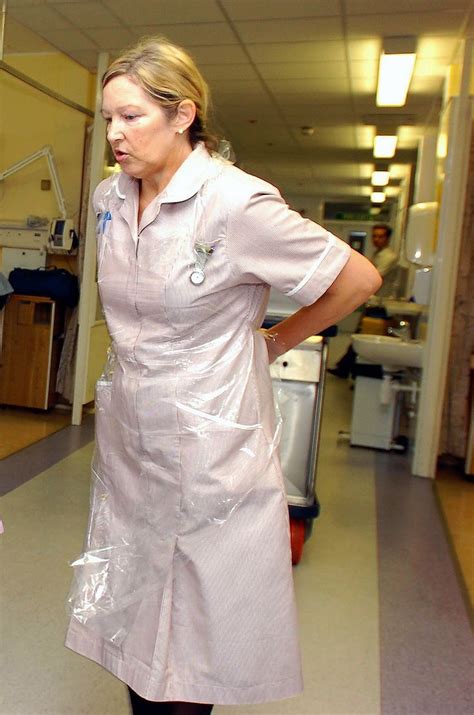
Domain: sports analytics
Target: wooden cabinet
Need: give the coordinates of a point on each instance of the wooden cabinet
(32, 338)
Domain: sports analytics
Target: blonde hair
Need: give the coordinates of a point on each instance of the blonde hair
(168, 75)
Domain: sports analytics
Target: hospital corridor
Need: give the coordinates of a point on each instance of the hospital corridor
(384, 614)
(236, 357)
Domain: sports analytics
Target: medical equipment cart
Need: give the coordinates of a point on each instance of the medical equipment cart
(298, 387)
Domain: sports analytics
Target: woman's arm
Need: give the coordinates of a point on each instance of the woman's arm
(357, 281)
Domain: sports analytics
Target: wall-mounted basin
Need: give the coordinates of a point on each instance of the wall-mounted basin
(403, 307)
(388, 351)
(397, 307)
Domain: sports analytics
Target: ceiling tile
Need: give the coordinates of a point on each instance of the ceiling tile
(254, 166)
(39, 19)
(297, 30)
(368, 7)
(297, 52)
(302, 70)
(70, 40)
(437, 47)
(236, 86)
(365, 85)
(333, 171)
(365, 171)
(87, 14)
(430, 68)
(144, 12)
(292, 171)
(276, 138)
(308, 87)
(407, 144)
(304, 73)
(188, 35)
(227, 72)
(368, 50)
(234, 101)
(219, 54)
(19, 38)
(415, 105)
(86, 58)
(398, 171)
(364, 136)
(410, 133)
(27, 3)
(426, 85)
(315, 106)
(272, 9)
(420, 105)
(341, 136)
(236, 128)
(116, 38)
(363, 69)
(318, 113)
(426, 23)
(263, 112)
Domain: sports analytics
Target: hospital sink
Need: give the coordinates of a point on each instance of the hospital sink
(403, 307)
(388, 351)
(397, 307)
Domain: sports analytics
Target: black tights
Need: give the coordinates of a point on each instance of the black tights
(140, 706)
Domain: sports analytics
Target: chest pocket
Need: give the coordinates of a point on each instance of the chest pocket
(103, 230)
(195, 284)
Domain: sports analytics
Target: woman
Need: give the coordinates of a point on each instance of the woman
(185, 588)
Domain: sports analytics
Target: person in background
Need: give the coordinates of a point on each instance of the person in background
(385, 261)
(184, 590)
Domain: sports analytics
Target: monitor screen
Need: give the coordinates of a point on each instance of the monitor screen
(59, 228)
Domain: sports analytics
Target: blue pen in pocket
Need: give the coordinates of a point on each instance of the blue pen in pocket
(107, 217)
(102, 219)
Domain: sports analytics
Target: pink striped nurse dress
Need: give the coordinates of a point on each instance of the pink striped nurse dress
(184, 589)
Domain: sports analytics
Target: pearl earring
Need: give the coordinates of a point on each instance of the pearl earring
(180, 131)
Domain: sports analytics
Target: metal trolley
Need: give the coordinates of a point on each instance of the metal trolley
(298, 387)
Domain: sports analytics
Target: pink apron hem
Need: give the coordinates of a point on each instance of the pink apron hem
(141, 679)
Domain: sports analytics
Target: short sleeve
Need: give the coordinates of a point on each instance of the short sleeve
(269, 242)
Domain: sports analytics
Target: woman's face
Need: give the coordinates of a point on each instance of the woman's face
(142, 137)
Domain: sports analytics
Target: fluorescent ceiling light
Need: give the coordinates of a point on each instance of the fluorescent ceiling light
(385, 146)
(380, 178)
(396, 66)
(395, 73)
(377, 197)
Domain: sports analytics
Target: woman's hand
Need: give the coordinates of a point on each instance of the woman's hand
(357, 281)
(274, 347)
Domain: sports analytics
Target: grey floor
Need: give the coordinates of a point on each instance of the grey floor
(384, 627)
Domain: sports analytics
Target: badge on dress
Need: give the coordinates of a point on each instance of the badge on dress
(202, 251)
(197, 277)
